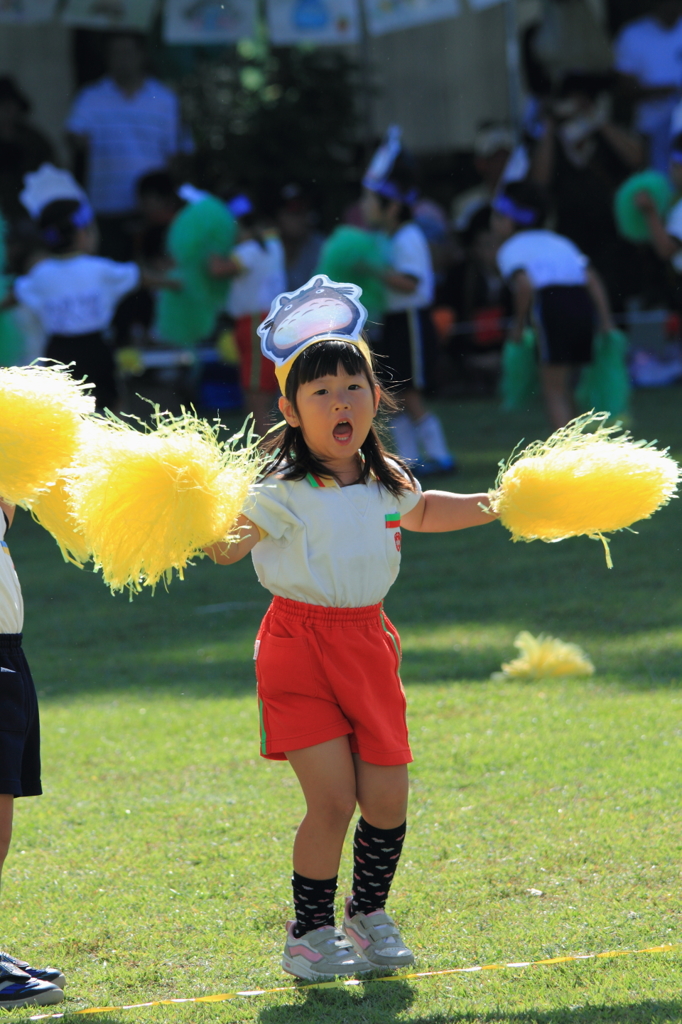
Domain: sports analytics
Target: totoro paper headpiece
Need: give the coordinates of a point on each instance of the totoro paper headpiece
(321, 310)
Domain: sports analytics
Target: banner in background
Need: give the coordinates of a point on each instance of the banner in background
(392, 15)
(26, 12)
(328, 22)
(110, 14)
(208, 21)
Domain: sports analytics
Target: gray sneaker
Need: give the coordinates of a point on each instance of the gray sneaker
(377, 938)
(321, 955)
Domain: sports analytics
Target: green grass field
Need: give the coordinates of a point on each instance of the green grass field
(156, 865)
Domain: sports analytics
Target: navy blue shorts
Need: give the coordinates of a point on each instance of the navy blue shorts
(19, 723)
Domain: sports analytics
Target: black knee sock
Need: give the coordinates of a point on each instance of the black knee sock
(376, 852)
(313, 903)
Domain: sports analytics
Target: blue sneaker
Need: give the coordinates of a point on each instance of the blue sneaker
(51, 974)
(17, 988)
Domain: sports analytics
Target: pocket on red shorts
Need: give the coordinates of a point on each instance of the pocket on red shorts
(285, 666)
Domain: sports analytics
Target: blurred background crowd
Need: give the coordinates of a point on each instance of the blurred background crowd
(281, 137)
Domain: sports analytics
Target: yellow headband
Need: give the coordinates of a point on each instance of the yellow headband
(321, 310)
(282, 372)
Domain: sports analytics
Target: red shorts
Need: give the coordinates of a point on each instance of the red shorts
(329, 672)
(257, 373)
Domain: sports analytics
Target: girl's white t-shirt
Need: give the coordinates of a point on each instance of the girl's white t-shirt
(262, 279)
(76, 294)
(11, 600)
(338, 547)
(547, 258)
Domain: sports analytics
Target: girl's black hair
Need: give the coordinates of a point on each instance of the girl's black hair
(291, 455)
(56, 225)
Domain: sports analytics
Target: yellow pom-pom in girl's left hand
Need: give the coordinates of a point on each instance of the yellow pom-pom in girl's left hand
(585, 480)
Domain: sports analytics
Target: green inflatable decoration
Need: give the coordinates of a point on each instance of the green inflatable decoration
(605, 383)
(519, 381)
(201, 230)
(350, 254)
(11, 338)
(631, 222)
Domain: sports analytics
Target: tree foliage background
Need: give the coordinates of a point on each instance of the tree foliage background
(266, 117)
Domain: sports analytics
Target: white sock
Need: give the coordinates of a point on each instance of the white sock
(405, 437)
(430, 436)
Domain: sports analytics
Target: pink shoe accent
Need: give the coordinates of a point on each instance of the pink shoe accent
(303, 951)
(364, 943)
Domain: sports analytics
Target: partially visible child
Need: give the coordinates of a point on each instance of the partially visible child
(408, 340)
(256, 268)
(20, 984)
(666, 237)
(555, 290)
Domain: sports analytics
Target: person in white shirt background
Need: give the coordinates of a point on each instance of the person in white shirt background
(128, 123)
(256, 268)
(648, 58)
(75, 294)
(408, 343)
(554, 288)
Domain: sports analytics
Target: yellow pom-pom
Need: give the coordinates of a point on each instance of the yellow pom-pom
(54, 513)
(545, 657)
(148, 501)
(41, 410)
(583, 483)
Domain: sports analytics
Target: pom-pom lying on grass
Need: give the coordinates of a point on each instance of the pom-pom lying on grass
(41, 412)
(148, 501)
(545, 657)
(581, 483)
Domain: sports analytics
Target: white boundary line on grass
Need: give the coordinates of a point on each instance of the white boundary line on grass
(226, 996)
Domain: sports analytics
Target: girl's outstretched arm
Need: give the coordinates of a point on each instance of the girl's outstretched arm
(441, 511)
(227, 554)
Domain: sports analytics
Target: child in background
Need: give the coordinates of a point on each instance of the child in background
(20, 984)
(256, 268)
(323, 529)
(555, 288)
(408, 339)
(75, 294)
(666, 238)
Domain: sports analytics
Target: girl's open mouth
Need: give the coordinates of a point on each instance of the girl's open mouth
(343, 432)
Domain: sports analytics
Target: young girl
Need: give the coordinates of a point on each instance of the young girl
(323, 529)
(553, 285)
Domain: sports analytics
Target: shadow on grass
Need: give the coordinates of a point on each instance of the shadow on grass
(388, 1004)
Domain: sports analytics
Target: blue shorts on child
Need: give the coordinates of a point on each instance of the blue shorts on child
(19, 722)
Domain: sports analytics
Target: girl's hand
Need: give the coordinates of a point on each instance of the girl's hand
(645, 204)
(247, 536)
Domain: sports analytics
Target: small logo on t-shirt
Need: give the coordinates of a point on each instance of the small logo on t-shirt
(393, 523)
